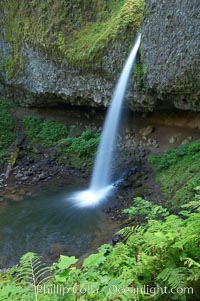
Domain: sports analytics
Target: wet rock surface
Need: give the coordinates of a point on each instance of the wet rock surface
(171, 51)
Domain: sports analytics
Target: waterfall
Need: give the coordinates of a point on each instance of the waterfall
(101, 176)
(101, 181)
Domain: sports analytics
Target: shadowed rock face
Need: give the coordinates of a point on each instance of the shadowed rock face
(171, 52)
(170, 57)
(44, 82)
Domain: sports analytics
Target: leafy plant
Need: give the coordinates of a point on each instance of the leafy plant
(62, 267)
(173, 277)
(7, 126)
(43, 131)
(178, 173)
(171, 156)
(144, 210)
(161, 253)
(83, 146)
(33, 271)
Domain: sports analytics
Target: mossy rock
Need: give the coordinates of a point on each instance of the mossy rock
(178, 173)
(78, 31)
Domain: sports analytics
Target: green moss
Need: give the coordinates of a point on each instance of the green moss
(78, 31)
(44, 132)
(140, 74)
(178, 172)
(7, 127)
(13, 35)
(77, 151)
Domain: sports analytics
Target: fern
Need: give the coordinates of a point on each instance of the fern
(192, 206)
(33, 271)
(173, 277)
(195, 204)
(161, 253)
(190, 262)
(145, 210)
(127, 232)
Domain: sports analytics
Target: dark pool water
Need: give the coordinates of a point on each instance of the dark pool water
(49, 224)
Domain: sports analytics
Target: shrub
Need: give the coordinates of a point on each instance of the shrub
(7, 126)
(145, 210)
(83, 146)
(45, 132)
(178, 173)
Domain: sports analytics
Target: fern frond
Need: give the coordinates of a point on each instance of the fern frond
(192, 206)
(32, 269)
(174, 277)
(129, 231)
(45, 280)
(41, 271)
(190, 262)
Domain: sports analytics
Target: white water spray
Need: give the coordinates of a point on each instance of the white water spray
(101, 182)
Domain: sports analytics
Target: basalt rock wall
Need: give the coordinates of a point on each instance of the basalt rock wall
(59, 52)
(171, 52)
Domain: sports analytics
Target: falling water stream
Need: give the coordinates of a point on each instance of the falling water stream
(101, 182)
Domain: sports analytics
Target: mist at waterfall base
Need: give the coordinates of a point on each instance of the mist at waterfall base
(101, 185)
(44, 223)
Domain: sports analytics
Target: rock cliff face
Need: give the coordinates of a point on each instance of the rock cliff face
(43, 82)
(59, 52)
(171, 52)
(73, 53)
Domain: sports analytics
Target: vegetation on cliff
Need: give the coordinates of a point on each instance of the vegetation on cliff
(69, 146)
(178, 173)
(42, 131)
(7, 128)
(79, 31)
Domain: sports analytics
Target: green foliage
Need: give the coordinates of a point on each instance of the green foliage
(62, 267)
(32, 270)
(65, 262)
(174, 277)
(144, 210)
(171, 157)
(94, 260)
(10, 291)
(79, 31)
(168, 244)
(83, 146)
(194, 205)
(178, 172)
(140, 74)
(50, 133)
(7, 127)
(140, 77)
(69, 146)
(21, 282)
(43, 131)
(161, 254)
